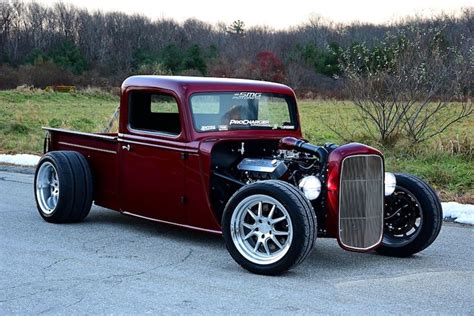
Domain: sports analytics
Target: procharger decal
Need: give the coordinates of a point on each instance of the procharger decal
(247, 96)
(250, 122)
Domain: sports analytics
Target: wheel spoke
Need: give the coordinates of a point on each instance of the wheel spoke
(257, 244)
(246, 225)
(275, 240)
(279, 233)
(259, 209)
(48, 201)
(270, 215)
(277, 220)
(265, 245)
(252, 214)
(250, 234)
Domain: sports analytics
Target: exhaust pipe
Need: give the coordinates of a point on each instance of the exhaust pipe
(290, 143)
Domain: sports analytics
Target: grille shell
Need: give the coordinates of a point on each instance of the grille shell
(361, 202)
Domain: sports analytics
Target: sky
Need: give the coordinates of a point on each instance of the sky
(278, 14)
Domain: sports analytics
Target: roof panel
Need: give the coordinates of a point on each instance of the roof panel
(181, 84)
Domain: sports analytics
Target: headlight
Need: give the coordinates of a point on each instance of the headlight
(311, 187)
(390, 183)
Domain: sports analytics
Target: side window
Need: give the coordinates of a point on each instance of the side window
(151, 111)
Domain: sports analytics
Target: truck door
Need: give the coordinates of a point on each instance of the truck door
(151, 164)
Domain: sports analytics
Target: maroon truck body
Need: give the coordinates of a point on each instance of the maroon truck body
(229, 158)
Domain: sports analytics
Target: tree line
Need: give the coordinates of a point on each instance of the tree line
(65, 44)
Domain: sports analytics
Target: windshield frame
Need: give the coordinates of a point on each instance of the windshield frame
(290, 100)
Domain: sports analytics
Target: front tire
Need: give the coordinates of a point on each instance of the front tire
(413, 217)
(63, 187)
(269, 227)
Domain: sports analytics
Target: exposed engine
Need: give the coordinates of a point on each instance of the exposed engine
(261, 169)
(289, 159)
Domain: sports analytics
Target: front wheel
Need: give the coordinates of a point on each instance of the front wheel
(413, 217)
(269, 227)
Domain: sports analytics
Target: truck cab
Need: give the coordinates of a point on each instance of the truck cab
(168, 127)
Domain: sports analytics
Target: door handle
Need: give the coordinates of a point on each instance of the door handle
(126, 147)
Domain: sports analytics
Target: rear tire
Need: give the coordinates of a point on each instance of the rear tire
(414, 218)
(269, 227)
(63, 187)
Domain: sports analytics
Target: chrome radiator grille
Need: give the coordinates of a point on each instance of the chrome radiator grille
(361, 198)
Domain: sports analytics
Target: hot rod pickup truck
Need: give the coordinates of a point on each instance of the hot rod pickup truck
(226, 156)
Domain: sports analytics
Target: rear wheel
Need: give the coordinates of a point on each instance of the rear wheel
(63, 187)
(413, 217)
(269, 227)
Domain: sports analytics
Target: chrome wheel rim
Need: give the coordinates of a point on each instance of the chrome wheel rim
(47, 188)
(261, 229)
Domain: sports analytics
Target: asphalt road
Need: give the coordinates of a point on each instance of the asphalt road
(111, 263)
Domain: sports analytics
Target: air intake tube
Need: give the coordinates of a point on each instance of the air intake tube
(291, 143)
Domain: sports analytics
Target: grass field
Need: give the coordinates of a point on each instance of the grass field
(445, 161)
(22, 114)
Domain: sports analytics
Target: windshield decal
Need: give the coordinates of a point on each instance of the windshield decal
(208, 128)
(247, 96)
(250, 122)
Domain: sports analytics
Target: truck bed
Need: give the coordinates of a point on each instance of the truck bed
(100, 150)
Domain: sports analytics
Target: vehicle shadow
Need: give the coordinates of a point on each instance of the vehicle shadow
(326, 258)
(102, 216)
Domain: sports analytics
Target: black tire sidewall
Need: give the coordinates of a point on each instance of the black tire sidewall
(297, 243)
(431, 213)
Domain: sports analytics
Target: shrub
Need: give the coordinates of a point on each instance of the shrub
(9, 77)
(45, 73)
(268, 67)
(154, 68)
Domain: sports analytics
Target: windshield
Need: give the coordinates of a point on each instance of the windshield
(223, 111)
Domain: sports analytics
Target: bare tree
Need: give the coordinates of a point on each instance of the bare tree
(409, 87)
(112, 45)
(6, 13)
(237, 27)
